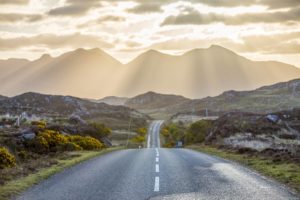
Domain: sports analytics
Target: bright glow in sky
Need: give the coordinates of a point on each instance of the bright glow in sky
(258, 29)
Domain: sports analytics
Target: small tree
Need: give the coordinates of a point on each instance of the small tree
(197, 132)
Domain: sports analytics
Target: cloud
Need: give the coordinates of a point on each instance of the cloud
(101, 20)
(148, 7)
(272, 4)
(195, 17)
(54, 41)
(74, 8)
(227, 3)
(111, 18)
(18, 17)
(280, 43)
(280, 3)
(20, 2)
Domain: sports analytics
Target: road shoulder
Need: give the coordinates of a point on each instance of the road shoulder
(286, 173)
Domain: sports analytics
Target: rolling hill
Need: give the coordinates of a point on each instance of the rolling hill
(93, 73)
(112, 100)
(152, 100)
(272, 98)
(56, 106)
(2, 97)
(266, 99)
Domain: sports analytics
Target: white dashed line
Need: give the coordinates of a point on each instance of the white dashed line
(157, 168)
(157, 152)
(156, 184)
(157, 159)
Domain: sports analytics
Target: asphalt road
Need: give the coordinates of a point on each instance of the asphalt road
(156, 174)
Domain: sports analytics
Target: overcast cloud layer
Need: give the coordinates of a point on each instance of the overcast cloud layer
(259, 29)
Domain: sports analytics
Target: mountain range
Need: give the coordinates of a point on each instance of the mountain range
(94, 73)
(266, 99)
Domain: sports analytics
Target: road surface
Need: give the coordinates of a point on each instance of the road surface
(157, 174)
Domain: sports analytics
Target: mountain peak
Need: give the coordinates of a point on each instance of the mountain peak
(83, 50)
(153, 51)
(215, 46)
(213, 49)
(150, 52)
(45, 56)
(220, 48)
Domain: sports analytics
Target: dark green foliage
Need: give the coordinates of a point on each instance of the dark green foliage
(197, 132)
(173, 133)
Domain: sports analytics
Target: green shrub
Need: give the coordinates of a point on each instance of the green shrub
(6, 159)
(172, 133)
(197, 132)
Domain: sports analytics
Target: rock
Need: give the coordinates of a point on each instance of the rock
(28, 134)
(273, 118)
(106, 141)
(75, 119)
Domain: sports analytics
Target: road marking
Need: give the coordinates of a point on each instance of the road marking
(156, 184)
(157, 159)
(149, 135)
(156, 168)
(157, 152)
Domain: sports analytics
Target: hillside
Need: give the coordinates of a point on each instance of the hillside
(152, 100)
(2, 97)
(112, 100)
(55, 106)
(280, 96)
(196, 74)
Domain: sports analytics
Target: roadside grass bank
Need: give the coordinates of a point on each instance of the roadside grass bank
(287, 173)
(15, 187)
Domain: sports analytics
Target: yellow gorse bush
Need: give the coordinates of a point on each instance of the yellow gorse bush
(6, 159)
(87, 143)
(50, 140)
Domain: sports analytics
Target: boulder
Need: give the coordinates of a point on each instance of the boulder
(28, 134)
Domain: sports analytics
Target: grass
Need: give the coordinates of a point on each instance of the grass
(287, 173)
(13, 188)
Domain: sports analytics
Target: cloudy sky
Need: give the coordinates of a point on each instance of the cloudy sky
(257, 29)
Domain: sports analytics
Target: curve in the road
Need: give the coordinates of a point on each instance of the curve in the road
(153, 140)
